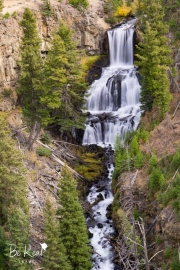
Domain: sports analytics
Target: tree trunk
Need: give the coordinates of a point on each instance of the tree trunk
(145, 246)
(38, 129)
(32, 130)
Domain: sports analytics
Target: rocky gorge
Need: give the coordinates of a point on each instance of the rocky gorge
(161, 223)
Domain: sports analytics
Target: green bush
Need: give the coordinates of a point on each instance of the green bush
(156, 180)
(136, 214)
(6, 16)
(14, 14)
(143, 134)
(41, 151)
(46, 138)
(168, 253)
(47, 10)
(158, 240)
(116, 202)
(134, 146)
(176, 264)
(6, 92)
(176, 160)
(139, 160)
(77, 3)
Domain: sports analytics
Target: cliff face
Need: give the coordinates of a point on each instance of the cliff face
(160, 216)
(88, 27)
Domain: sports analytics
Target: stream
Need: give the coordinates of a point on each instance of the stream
(113, 108)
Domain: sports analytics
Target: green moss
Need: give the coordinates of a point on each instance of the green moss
(90, 165)
(88, 61)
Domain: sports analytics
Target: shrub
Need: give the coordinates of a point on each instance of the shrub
(6, 92)
(46, 138)
(139, 160)
(6, 16)
(168, 253)
(158, 240)
(77, 3)
(136, 214)
(41, 151)
(176, 161)
(47, 10)
(123, 11)
(134, 146)
(14, 14)
(153, 162)
(116, 202)
(156, 180)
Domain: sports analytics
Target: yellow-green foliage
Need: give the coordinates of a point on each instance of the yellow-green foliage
(123, 11)
(136, 6)
(127, 228)
(92, 166)
(88, 61)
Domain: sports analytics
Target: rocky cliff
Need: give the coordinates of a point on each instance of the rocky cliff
(88, 25)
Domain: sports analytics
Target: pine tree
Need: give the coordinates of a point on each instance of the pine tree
(55, 257)
(55, 74)
(72, 224)
(18, 226)
(47, 10)
(3, 247)
(1, 5)
(71, 85)
(31, 76)
(154, 58)
(14, 208)
(78, 3)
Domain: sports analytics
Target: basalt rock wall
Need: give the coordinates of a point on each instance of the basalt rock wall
(88, 33)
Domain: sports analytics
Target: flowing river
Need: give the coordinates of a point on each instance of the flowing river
(113, 108)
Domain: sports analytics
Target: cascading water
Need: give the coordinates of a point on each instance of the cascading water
(113, 107)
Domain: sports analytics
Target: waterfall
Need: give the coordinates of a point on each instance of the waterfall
(113, 107)
(113, 100)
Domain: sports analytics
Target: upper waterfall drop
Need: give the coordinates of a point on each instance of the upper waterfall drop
(113, 100)
(121, 47)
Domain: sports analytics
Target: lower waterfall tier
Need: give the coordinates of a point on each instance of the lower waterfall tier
(113, 106)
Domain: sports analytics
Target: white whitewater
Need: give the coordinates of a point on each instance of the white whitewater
(113, 107)
(113, 100)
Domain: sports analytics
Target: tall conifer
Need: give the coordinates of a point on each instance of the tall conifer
(72, 224)
(31, 89)
(55, 257)
(72, 95)
(14, 207)
(1, 5)
(154, 57)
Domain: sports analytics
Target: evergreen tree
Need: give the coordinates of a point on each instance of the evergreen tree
(1, 5)
(18, 226)
(47, 10)
(14, 208)
(154, 57)
(55, 257)
(3, 247)
(66, 74)
(72, 224)
(77, 3)
(55, 74)
(31, 78)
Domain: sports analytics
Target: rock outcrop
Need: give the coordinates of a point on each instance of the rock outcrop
(88, 29)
